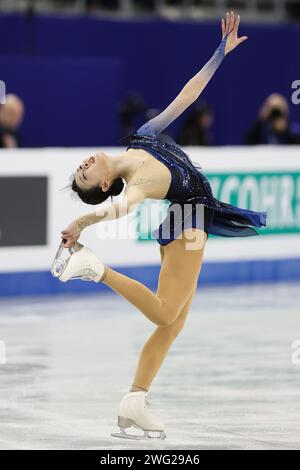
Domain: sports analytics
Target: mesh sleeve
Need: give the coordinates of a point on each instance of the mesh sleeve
(188, 95)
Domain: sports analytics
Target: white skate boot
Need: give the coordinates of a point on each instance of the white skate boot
(134, 411)
(81, 264)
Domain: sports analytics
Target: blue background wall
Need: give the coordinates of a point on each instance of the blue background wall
(72, 72)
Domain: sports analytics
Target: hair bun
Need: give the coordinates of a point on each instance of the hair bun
(117, 187)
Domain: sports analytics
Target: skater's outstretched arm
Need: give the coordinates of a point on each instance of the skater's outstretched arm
(132, 198)
(194, 87)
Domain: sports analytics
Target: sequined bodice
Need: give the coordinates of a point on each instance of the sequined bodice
(187, 182)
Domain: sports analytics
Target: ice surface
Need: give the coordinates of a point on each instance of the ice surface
(227, 383)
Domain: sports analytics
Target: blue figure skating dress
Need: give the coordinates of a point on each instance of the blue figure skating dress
(190, 187)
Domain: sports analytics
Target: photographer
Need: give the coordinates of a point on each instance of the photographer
(273, 125)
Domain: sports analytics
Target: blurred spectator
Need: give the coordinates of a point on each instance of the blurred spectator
(197, 128)
(273, 125)
(130, 108)
(11, 117)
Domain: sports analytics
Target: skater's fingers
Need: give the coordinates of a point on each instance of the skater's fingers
(66, 234)
(64, 237)
(223, 28)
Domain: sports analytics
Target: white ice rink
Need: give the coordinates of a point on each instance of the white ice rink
(229, 381)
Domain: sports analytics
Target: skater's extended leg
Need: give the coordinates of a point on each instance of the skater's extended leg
(156, 348)
(178, 275)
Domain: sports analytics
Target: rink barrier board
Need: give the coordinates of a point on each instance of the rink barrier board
(212, 274)
(260, 178)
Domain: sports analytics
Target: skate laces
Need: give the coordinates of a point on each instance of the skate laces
(146, 404)
(147, 408)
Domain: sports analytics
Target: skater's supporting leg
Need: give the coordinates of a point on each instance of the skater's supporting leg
(179, 273)
(156, 348)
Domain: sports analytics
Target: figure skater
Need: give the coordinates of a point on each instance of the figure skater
(155, 167)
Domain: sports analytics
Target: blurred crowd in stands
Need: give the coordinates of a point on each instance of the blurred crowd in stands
(272, 126)
(271, 10)
(290, 7)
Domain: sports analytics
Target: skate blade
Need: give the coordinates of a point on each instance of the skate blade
(145, 437)
(60, 263)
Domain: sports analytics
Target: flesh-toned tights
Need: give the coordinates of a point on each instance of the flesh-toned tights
(168, 308)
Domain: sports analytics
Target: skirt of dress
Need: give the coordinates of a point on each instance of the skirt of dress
(180, 217)
(224, 220)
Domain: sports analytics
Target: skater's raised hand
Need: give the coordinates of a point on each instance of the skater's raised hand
(230, 29)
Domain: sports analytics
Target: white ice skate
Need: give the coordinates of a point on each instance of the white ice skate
(81, 264)
(134, 411)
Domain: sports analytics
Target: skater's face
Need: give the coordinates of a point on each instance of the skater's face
(93, 172)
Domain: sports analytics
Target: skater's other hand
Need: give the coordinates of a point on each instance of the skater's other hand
(71, 234)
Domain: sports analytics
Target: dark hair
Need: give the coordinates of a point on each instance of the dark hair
(96, 195)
